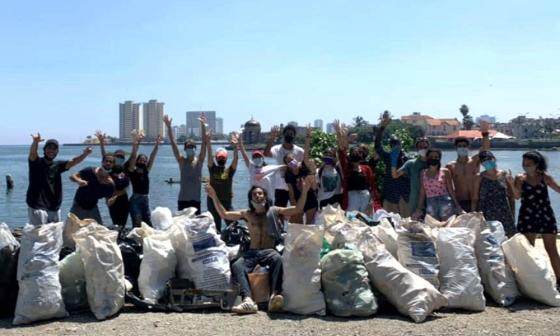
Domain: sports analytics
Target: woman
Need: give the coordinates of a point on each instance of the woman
(329, 177)
(535, 214)
(436, 188)
(139, 167)
(493, 193)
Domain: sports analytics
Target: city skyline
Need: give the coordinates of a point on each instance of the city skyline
(69, 63)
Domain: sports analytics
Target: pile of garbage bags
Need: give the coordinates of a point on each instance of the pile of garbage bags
(343, 265)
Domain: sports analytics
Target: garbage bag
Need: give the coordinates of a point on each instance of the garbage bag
(346, 284)
(138, 234)
(346, 234)
(157, 267)
(202, 256)
(9, 251)
(417, 250)
(161, 218)
(532, 269)
(73, 281)
(104, 269)
(39, 296)
(71, 226)
(460, 280)
(301, 285)
(385, 231)
(411, 294)
(328, 217)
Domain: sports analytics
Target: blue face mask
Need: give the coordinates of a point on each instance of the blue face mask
(489, 165)
(462, 151)
(119, 161)
(258, 161)
(189, 151)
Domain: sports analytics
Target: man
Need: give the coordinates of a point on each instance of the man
(44, 194)
(278, 152)
(93, 183)
(412, 169)
(261, 250)
(190, 166)
(464, 168)
(395, 191)
(118, 204)
(221, 178)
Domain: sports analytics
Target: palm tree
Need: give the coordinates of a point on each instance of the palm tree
(467, 119)
(359, 121)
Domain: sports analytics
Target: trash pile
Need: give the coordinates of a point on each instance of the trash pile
(346, 265)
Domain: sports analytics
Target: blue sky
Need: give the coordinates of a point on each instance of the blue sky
(65, 65)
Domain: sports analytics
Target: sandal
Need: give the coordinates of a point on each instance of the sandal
(245, 307)
(276, 303)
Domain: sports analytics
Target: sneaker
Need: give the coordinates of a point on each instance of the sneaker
(276, 303)
(248, 306)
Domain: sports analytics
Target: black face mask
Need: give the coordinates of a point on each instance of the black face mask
(355, 158)
(433, 162)
(289, 138)
(221, 163)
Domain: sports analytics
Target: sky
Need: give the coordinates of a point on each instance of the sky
(66, 65)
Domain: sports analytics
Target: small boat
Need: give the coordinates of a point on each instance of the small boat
(171, 181)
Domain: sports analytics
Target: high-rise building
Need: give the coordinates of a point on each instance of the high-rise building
(318, 124)
(293, 123)
(180, 131)
(219, 126)
(193, 125)
(129, 119)
(152, 112)
(330, 128)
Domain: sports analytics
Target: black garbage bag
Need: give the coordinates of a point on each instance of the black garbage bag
(132, 257)
(8, 280)
(237, 233)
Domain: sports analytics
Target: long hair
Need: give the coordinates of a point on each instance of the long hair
(268, 201)
(538, 159)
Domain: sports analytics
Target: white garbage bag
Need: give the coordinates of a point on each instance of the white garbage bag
(73, 281)
(161, 218)
(532, 270)
(202, 256)
(434, 223)
(328, 217)
(417, 250)
(460, 280)
(139, 233)
(71, 226)
(411, 294)
(157, 267)
(6, 237)
(104, 268)
(385, 231)
(301, 285)
(346, 233)
(39, 296)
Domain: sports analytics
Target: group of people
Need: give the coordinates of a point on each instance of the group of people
(412, 187)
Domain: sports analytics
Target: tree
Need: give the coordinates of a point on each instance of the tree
(320, 141)
(468, 121)
(360, 122)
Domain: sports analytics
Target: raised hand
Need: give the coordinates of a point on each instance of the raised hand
(308, 131)
(137, 136)
(159, 140)
(385, 119)
(274, 132)
(167, 121)
(100, 136)
(509, 177)
(203, 119)
(87, 151)
(484, 126)
(209, 190)
(37, 138)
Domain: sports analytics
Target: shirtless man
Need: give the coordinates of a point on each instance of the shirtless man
(464, 169)
(261, 251)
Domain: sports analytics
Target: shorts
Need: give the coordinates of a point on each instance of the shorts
(440, 207)
(359, 200)
(42, 216)
(82, 213)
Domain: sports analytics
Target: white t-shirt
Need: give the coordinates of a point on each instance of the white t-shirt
(329, 183)
(278, 152)
(267, 174)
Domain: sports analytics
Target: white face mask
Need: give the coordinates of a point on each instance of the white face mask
(258, 206)
(422, 152)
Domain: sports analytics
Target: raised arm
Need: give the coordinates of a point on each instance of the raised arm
(101, 139)
(35, 146)
(137, 136)
(484, 130)
(206, 139)
(246, 158)
(379, 134)
(307, 151)
(209, 151)
(224, 214)
(167, 121)
(76, 160)
(235, 143)
(308, 181)
(152, 159)
(273, 135)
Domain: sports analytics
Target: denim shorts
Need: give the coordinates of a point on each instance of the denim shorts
(440, 207)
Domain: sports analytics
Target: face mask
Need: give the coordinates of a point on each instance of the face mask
(530, 169)
(189, 152)
(289, 138)
(328, 161)
(221, 163)
(258, 161)
(293, 164)
(462, 151)
(422, 152)
(433, 162)
(106, 170)
(489, 165)
(258, 206)
(119, 161)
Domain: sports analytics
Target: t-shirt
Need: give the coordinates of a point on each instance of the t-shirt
(278, 153)
(87, 197)
(221, 179)
(330, 183)
(357, 180)
(412, 169)
(191, 174)
(140, 180)
(45, 184)
(265, 182)
(121, 180)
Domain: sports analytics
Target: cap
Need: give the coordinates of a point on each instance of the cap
(51, 142)
(120, 153)
(257, 153)
(221, 153)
